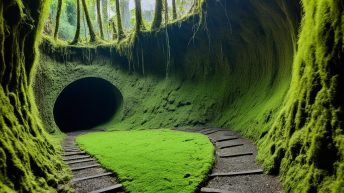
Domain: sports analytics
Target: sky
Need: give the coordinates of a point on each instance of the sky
(146, 4)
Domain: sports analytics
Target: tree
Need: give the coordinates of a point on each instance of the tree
(166, 11)
(138, 15)
(84, 23)
(26, 152)
(58, 15)
(174, 10)
(181, 6)
(120, 33)
(77, 31)
(195, 5)
(157, 15)
(125, 13)
(93, 36)
(100, 23)
(105, 16)
(113, 26)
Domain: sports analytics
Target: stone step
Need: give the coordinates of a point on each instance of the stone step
(91, 177)
(229, 146)
(70, 147)
(235, 155)
(68, 144)
(71, 150)
(76, 158)
(205, 130)
(80, 161)
(74, 153)
(219, 129)
(227, 139)
(214, 190)
(211, 132)
(116, 187)
(88, 172)
(247, 172)
(197, 129)
(84, 167)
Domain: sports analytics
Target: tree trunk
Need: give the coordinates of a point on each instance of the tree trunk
(125, 13)
(93, 36)
(84, 22)
(26, 152)
(105, 13)
(166, 11)
(100, 23)
(58, 15)
(120, 33)
(77, 32)
(195, 5)
(174, 10)
(114, 31)
(105, 17)
(158, 15)
(138, 15)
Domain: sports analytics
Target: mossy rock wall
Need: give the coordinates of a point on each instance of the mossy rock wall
(306, 142)
(28, 160)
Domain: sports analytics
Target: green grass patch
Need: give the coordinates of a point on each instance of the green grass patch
(154, 160)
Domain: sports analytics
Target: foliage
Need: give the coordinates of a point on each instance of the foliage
(154, 160)
(68, 18)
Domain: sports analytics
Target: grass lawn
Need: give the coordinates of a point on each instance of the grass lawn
(153, 161)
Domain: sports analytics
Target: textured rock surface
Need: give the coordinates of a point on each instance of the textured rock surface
(28, 160)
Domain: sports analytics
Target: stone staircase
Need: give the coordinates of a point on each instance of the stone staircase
(88, 175)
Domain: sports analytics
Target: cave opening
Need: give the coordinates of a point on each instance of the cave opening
(86, 103)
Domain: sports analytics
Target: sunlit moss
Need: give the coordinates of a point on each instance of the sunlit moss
(313, 150)
(191, 156)
(29, 162)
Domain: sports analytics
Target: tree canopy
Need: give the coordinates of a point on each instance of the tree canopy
(92, 20)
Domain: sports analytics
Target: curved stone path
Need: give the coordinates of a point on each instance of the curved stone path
(235, 169)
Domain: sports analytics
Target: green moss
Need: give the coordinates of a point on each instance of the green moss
(313, 158)
(226, 68)
(29, 162)
(153, 161)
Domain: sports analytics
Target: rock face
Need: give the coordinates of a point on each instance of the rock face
(306, 142)
(28, 161)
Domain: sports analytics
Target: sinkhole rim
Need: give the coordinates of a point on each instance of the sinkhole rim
(96, 86)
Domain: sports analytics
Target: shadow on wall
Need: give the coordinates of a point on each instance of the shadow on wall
(86, 103)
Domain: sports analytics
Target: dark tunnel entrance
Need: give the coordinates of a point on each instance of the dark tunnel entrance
(86, 103)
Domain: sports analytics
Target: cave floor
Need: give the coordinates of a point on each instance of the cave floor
(235, 168)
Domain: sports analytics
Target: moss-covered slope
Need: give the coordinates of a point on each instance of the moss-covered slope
(306, 142)
(28, 161)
